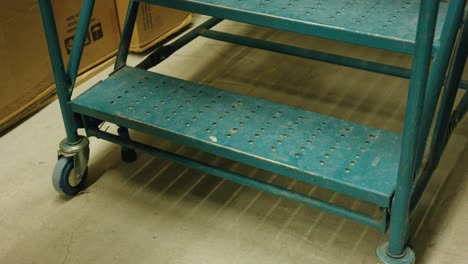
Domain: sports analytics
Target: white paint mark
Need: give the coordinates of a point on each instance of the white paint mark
(214, 139)
(376, 161)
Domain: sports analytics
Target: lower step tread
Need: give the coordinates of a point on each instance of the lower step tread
(335, 154)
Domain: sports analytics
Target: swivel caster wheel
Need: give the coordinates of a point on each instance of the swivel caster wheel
(65, 179)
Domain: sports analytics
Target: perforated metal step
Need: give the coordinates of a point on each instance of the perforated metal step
(339, 155)
(381, 24)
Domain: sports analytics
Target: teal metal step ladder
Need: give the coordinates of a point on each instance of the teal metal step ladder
(371, 164)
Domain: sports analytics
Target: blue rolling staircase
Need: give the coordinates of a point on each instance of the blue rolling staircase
(370, 164)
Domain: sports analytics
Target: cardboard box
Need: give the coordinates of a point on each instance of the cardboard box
(25, 68)
(154, 24)
(103, 33)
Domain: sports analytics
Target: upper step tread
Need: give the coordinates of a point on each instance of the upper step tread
(314, 148)
(380, 24)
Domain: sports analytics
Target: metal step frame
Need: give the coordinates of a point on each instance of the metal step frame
(437, 36)
(335, 154)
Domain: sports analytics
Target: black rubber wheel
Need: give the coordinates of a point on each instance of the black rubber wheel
(128, 155)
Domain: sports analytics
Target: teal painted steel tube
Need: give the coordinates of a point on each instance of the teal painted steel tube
(60, 76)
(426, 174)
(127, 33)
(437, 73)
(163, 52)
(79, 40)
(442, 127)
(124, 45)
(308, 54)
(260, 185)
(400, 207)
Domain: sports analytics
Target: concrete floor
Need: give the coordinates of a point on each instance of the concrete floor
(153, 211)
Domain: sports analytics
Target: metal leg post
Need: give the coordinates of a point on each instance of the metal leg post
(70, 172)
(62, 82)
(442, 127)
(128, 154)
(437, 74)
(396, 250)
